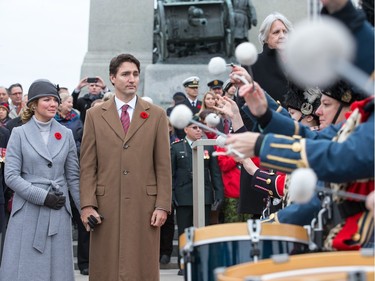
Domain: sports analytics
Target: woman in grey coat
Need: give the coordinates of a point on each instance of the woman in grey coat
(41, 165)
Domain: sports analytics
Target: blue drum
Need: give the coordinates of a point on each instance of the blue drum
(223, 245)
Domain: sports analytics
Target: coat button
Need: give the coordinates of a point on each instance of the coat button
(49, 165)
(125, 172)
(126, 146)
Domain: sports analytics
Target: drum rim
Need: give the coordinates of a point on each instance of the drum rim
(312, 271)
(239, 231)
(244, 238)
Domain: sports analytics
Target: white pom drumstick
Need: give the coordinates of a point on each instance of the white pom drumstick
(302, 185)
(314, 50)
(220, 141)
(212, 120)
(246, 53)
(180, 116)
(217, 65)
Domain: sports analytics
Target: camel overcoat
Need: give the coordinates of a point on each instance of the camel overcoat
(38, 241)
(125, 178)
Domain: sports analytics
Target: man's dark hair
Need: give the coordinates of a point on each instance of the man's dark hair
(117, 61)
(14, 85)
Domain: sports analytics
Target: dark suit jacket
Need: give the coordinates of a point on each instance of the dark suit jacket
(182, 178)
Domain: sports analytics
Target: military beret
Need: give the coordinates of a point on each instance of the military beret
(215, 84)
(191, 82)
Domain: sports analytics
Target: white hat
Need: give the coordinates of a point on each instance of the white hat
(191, 82)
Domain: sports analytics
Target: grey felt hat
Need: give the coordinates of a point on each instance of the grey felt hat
(42, 88)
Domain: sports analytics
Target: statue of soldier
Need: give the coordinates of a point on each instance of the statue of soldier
(244, 17)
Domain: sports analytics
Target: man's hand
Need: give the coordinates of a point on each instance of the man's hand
(239, 71)
(158, 217)
(90, 218)
(255, 98)
(243, 143)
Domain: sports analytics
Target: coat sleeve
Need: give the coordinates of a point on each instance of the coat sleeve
(88, 173)
(72, 170)
(14, 162)
(162, 164)
(332, 161)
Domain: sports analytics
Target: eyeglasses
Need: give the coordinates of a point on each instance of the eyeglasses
(195, 127)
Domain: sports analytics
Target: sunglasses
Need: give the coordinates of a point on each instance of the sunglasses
(195, 127)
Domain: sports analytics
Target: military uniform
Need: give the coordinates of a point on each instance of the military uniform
(182, 183)
(181, 158)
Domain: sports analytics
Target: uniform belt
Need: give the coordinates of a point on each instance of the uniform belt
(350, 208)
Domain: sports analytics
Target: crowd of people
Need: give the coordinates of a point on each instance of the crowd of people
(114, 163)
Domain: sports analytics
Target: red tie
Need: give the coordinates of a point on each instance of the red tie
(125, 119)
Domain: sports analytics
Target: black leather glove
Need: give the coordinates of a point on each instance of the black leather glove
(92, 221)
(55, 200)
(217, 205)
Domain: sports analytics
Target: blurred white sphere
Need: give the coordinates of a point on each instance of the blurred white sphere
(302, 185)
(148, 99)
(313, 50)
(246, 53)
(217, 65)
(212, 120)
(180, 116)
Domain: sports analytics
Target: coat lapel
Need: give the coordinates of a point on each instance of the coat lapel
(34, 137)
(140, 116)
(55, 143)
(112, 118)
(110, 115)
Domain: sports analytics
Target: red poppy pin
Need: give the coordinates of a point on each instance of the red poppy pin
(199, 106)
(58, 136)
(144, 115)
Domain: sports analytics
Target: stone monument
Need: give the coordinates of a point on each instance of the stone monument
(128, 27)
(117, 27)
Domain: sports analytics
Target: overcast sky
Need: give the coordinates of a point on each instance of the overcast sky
(43, 39)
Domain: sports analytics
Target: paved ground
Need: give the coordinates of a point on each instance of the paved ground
(165, 275)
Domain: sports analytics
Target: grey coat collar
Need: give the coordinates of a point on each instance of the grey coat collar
(54, 144)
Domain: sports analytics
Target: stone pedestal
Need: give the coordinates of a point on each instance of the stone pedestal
(117, 27)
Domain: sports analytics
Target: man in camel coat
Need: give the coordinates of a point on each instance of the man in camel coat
(125, 180)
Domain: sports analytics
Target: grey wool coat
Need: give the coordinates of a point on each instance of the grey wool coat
(38, 242)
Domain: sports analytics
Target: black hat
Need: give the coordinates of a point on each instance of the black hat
(307, 101)
(179, 96)
(343, 92)
(191, 82)
(42, 88)
(227, 84)
(215, 84)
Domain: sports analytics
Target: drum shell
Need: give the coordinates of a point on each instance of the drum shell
(230, 244)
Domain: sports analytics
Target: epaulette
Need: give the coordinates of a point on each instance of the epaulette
(177, 141)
